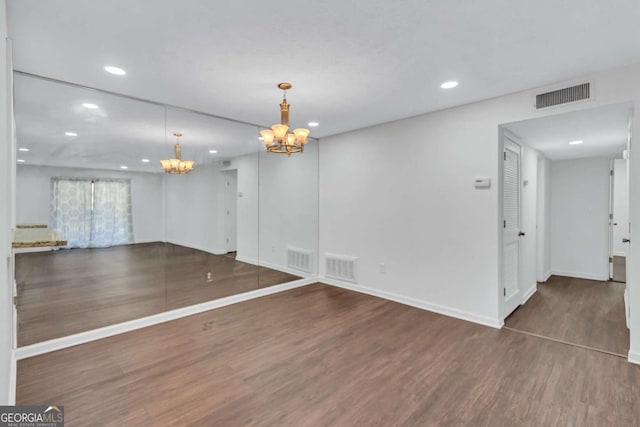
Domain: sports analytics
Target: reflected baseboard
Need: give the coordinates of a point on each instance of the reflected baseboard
(247, 260)
(285, 269)
(199, 248)
(132, 325)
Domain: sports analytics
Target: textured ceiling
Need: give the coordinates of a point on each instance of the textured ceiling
(603, 131)
(352, 63)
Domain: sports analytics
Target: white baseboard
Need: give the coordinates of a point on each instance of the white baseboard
(424, 305)
(142, 242)
(29, 250)
(634, 357)
(285, 269)
(529, 293)
(616, 253)
(247, 260)
(199, 248)
(132, 325)
(547, 276)
(13, 369)
(579, 275)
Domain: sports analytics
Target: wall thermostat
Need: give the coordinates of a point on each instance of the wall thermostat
(482, 182)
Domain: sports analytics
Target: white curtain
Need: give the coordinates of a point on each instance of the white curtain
(92, 213)
(111, 222)
(71, 210)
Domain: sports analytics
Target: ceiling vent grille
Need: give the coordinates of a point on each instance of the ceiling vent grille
(563, 96)
(341, 267)
(299, 259)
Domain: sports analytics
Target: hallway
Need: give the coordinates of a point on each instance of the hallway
(576, 311)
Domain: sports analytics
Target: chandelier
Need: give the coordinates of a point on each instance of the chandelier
(177, 165)
(278, 139)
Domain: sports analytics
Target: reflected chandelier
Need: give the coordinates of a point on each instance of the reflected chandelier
(278, 139)
(177, 165)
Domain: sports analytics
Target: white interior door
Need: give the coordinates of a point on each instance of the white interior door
(511, 293)
(620, 218)
(231, 210)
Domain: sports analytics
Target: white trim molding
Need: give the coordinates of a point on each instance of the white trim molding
(13, 379)
(285, 269)
(199, 248)
(529, 293)
(424, 305)
(634, 357)
(132, 325)
(547, 276)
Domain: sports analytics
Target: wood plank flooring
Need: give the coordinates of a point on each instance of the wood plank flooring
(324, 356)
(69, 291)
(579, 311)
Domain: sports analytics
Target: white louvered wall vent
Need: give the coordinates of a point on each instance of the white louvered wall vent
(341, 267)
(299, 259)
(563, 96)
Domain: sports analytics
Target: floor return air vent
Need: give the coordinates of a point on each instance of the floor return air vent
(299, 259)
(341, 267)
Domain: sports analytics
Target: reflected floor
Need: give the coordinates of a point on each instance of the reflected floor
(577, 311)
(69, 291)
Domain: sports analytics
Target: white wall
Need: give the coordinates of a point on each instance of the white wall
(33, 197)
(580, 218)
(7, 171)
(544, 218)
(529, 212)
(402, 193)
(195, 209)
(620, 208)
(288, 205)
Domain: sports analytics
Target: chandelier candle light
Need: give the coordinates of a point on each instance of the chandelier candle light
(278, 139)
(177, 165)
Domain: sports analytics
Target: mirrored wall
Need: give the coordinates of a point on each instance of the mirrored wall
(140, 241)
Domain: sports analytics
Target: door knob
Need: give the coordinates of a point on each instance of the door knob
(521, 233)
(626, 241)
(615, 223)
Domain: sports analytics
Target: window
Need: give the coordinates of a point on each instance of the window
(92, 213)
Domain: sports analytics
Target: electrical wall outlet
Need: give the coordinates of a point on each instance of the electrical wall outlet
(383, 268)
(209, 277)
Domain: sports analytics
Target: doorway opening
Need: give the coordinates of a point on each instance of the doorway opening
(564, 227)
(231, 211)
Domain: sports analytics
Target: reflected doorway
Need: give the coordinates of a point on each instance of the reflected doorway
(231, 210)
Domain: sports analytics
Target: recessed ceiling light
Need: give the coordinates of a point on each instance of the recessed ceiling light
(145, 160)
(115, 70)
(23, 149)
(576, 142)
(20, 161)
(71, 134)
(89, 106)
(213, 151)
(449, 85)
(313, 124)
(124, 167)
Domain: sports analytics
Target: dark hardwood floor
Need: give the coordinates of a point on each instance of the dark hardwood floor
(69, 291)
(579, 311)
(323, 356)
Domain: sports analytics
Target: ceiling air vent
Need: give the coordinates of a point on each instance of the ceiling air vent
(563, 96)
